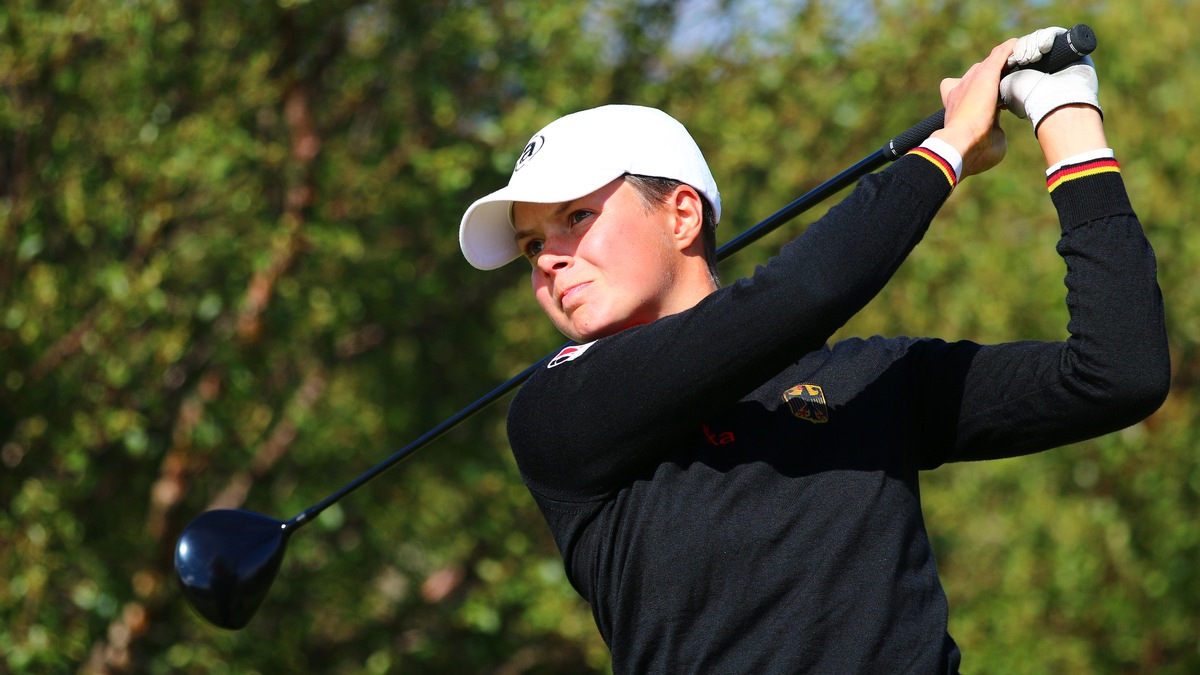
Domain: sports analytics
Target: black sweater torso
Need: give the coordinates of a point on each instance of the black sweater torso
(731, 494)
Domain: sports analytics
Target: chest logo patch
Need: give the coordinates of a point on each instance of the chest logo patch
(569, 354)
(807, 402)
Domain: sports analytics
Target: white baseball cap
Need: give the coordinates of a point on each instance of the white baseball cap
(576, 155)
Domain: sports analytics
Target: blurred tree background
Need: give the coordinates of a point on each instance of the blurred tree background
(230, 277)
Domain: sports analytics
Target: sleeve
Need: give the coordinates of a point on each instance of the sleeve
(985, 402)
(581, 429)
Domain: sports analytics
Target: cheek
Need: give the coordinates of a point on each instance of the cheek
(647, 259)
(541, 293)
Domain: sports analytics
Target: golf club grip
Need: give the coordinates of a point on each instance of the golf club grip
(1068, 48)
(914, 135)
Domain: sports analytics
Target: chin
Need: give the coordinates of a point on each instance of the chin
(579, 336)
(589, 329)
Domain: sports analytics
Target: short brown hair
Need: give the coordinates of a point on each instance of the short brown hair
(654, 190)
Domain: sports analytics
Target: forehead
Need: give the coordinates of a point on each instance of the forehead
(527, 215)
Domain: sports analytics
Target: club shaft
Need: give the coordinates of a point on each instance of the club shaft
(429, 436)
(1079, 41)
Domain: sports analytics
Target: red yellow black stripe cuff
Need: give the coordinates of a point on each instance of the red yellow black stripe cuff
(1072, 172)
(944, 166)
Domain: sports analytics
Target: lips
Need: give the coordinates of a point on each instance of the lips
(571, 292)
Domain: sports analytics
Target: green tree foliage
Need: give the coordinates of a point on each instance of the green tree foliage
(229, 277)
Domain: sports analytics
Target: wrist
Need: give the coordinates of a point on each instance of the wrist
(1070, 130)
(961, 143)
(979, 151)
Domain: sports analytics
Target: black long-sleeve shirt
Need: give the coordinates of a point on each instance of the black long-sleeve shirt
(732, 494)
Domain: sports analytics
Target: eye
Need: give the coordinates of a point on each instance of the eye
(533, 248)
(579, 216)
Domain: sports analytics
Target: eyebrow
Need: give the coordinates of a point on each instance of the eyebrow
(562, 208)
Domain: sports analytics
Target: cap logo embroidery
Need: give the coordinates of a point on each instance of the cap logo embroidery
(807, 402)
(569, 354)
(530, 150)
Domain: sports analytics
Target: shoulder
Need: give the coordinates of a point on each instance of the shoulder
(563, 365)
(591, 364)
(560, 376)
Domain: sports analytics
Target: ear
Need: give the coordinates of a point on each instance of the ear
(688, 209)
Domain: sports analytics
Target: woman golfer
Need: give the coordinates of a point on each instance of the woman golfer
(731, 493)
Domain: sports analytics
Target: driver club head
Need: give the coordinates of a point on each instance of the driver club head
(226, 560)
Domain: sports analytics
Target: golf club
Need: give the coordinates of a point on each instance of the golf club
(226, 559)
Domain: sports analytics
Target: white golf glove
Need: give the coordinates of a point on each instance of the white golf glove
(1034, 94)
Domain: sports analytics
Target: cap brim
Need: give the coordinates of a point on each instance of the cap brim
(486, 233)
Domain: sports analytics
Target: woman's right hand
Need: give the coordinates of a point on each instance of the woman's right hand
(972, 123)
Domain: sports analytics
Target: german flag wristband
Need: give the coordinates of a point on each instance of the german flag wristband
(1081, 166)
(944, 157)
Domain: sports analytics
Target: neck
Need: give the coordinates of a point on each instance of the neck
(695, 284)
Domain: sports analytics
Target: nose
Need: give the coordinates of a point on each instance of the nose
(551, 263)
(555, 256)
